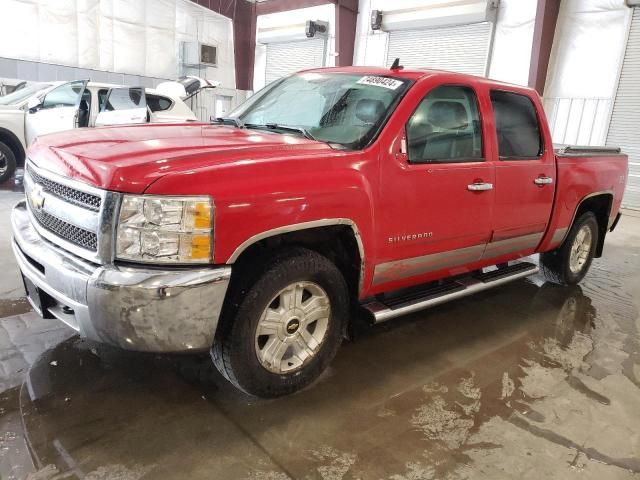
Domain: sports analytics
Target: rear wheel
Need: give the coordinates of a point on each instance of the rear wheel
(568, 264)
(7, 162)
(287, 328)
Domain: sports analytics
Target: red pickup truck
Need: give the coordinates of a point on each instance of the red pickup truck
(329, 194)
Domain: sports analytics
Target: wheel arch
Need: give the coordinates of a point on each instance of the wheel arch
(337, 238)
(10, 138)
(600, 204)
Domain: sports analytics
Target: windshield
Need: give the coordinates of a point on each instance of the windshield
(343, 109)
(24, 93)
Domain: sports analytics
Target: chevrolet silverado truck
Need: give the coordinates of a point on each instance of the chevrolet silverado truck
(329, 195)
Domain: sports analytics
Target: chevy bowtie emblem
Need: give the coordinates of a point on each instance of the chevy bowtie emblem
(36, 197)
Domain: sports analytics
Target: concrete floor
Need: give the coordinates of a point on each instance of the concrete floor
(528, 381)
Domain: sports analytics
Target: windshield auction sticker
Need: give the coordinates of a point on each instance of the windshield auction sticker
(383, 82)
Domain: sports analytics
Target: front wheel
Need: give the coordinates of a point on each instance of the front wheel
(7, 162)
(571, 261)
(287, 328)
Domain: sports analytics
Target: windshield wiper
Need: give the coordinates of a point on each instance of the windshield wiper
(287, 128)
(236, 122)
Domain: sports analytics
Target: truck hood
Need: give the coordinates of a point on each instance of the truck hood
(128, 159)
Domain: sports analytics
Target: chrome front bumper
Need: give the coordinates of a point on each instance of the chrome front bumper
(152, 310)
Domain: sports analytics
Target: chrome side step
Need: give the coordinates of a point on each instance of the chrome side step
(436, 294)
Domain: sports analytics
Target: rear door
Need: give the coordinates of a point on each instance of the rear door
(57, 112)
(123, 106)
(525, 175)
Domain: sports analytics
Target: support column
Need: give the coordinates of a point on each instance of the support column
(346, 20)
(543, 34)
(244, 44)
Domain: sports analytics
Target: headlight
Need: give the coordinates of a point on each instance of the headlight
(165, 229)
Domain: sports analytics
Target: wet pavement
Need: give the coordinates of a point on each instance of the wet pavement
(530, 380)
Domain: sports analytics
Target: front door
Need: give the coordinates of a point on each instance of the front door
(57, 112)
(525, 176)
(436, 201)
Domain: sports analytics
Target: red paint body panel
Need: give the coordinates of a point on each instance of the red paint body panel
(262, 181)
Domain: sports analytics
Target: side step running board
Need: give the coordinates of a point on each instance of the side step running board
(437, 294)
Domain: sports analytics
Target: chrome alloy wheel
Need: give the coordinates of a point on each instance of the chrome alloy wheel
(580, 249)
(4, 164)
(293, 327)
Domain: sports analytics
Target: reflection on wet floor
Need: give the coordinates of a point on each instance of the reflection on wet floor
(532, 378)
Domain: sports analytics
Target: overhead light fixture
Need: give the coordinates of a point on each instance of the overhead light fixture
(376, 19)
(314, 27)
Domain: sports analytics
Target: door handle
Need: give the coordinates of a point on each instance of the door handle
(480, 186)
(543, 181)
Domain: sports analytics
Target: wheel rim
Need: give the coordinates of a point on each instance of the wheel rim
(580, 250)
(4, 164)
(292, 327)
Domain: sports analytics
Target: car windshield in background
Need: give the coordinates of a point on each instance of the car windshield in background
(24, 93)
(336, 108)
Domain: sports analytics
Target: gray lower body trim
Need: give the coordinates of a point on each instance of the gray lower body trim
(415, 266)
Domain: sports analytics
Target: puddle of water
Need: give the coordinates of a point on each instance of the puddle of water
(17, 306)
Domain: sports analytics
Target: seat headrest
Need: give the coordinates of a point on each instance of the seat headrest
(448, 115)
(369, 110)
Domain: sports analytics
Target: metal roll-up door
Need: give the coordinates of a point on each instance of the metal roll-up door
(625, 119)
(286, 58)
(460, 48)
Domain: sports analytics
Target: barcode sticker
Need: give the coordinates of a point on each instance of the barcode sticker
(384, 82)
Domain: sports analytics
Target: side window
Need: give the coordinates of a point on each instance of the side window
(125, 99)
(446, 127)
(66, 95)
(158, 104)
(102, 98)
(516, 126)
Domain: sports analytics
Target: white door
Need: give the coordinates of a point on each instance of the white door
(57, 112)
(123, 106)
(223, 105)
(459, 48)
(623, 129)
(286, 58)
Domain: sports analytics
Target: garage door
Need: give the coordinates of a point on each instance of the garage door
(625, 119)
(286, 58)
(462, 48)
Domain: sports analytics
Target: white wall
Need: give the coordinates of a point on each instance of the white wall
(584, 67)
(127, 37)
(513, 40)
(289, 26)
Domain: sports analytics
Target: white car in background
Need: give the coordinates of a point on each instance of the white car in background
(42, 108)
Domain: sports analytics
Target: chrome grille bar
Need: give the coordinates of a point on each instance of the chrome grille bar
(64, 192)
(76, 235)
(73, 215)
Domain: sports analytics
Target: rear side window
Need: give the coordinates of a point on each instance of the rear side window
(516, 126)
(158, 104)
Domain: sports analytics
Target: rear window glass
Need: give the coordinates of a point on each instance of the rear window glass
(516, 126)
(158, 104)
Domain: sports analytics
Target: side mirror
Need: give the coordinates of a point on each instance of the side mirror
(33, 104)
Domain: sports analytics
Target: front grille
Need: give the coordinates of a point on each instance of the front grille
(71, 195)
(76, 235)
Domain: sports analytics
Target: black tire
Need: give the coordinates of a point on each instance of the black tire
(234, 352)
(555, 265)
(7, 162)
